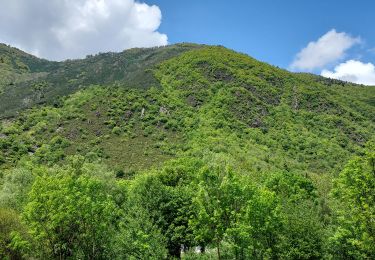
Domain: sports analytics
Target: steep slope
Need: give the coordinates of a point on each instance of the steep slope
(17, 66)
(27, 80)
(209, 100)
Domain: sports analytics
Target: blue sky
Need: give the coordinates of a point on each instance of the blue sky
(334, 38)
(272, 31)
(276, 31)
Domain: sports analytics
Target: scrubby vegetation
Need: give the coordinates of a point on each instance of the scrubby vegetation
(26, 80)
(215, 156)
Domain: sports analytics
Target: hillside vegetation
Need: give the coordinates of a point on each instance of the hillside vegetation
(27, 80)
(141, 153)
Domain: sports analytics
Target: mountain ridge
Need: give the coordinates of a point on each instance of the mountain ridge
(28, 80)
(56, 79)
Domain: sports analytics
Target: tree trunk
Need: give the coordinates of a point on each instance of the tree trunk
(218, 250)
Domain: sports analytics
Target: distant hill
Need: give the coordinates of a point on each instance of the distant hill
(26, 80)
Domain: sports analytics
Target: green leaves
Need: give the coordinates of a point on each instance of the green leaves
(70, 215)
(138, 237)
(229, 208)
(355, 189)
(11, 229)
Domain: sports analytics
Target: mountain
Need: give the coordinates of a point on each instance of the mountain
(184, 89)
(27, 80)
(159, 109)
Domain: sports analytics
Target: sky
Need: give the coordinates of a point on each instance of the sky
(333, 38)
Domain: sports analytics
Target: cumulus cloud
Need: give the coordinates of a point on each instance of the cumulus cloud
(353, 71)
(61, 29)
(327, 49)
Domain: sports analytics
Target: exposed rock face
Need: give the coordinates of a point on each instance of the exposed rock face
(163, 110)
(60, 129)
(128, 114)
(192, 101)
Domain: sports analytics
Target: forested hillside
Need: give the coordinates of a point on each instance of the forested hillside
(27, 80)
(184, 151)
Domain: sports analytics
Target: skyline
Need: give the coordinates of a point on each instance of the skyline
(314, 37)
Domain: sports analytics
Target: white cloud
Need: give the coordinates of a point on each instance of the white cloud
(327, 49)
(61, 29)
(353, 71)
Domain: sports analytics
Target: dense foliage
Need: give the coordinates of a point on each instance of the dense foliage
(215, 156)
(26, 80)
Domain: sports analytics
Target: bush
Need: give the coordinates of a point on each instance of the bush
(116, 130)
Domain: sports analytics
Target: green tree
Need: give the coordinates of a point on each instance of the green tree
(10, 224)
(219, 200)
(257, 232)
(167, 197)
(70, 215)
(302, 236)
(138, 237)
(355, 189)
(169, 208)
(39, 89)
(16, 185)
